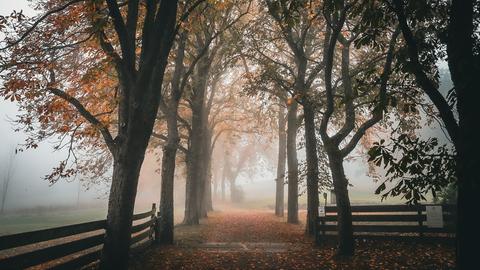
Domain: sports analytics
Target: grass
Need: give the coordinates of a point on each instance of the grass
(23, 222)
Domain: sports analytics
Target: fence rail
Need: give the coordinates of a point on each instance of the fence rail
(84, 249)
(392, 221)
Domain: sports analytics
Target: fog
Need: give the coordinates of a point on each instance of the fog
(28, 189)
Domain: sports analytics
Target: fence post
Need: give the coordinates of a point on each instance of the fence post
(323, 225)
(153, 227)
(320, 230)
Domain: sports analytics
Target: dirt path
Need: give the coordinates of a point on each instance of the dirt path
(253, 239)
(250, 226)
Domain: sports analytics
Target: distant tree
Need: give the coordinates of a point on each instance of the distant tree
(7, 175)
(298, 23)
(206, 43)
(448, 195)
(242, 161)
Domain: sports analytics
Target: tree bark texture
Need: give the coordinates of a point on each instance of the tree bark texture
(139, 99)
(312, 169)
(282, 155)
(292, 162)
(194, 181)
(465, 69)
(164, 231)
(340, 187)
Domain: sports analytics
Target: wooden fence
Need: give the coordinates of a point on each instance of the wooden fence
(390, 221)
(68, 247)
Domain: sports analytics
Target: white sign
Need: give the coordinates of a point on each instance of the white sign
(321, 211)
(434, 216)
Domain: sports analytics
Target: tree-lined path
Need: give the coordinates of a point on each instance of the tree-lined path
(256, 239)
(302, 97)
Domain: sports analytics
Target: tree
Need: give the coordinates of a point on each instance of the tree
(7, 175)
(360, 86)
(299, 23)
(179, 82)
(284, 49)
(292, 161)
(282, 155)
(238, 119)
(164, 232)
(104, 33)
(454, 25)
(206, 44)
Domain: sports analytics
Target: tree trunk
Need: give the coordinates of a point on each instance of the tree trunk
(126, 169)
(468, 161)
(467, 236)
(282, 155)
(7, 177)
(232, 190)
(4, 198)
(164, 233)
(340, 186)
(208, 182)
(215, 184)
(312, 169)
(205, 170)
(464, 67)
(225, 173)
(223, 185)
(208, 193)
(201, 183)
(194, 174)
(191, 213)
(292, 163)
(195, 184)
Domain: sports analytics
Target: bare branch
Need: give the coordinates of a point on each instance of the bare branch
(39, 20)
(164, 138)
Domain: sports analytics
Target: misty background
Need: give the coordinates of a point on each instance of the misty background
(28, 191)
